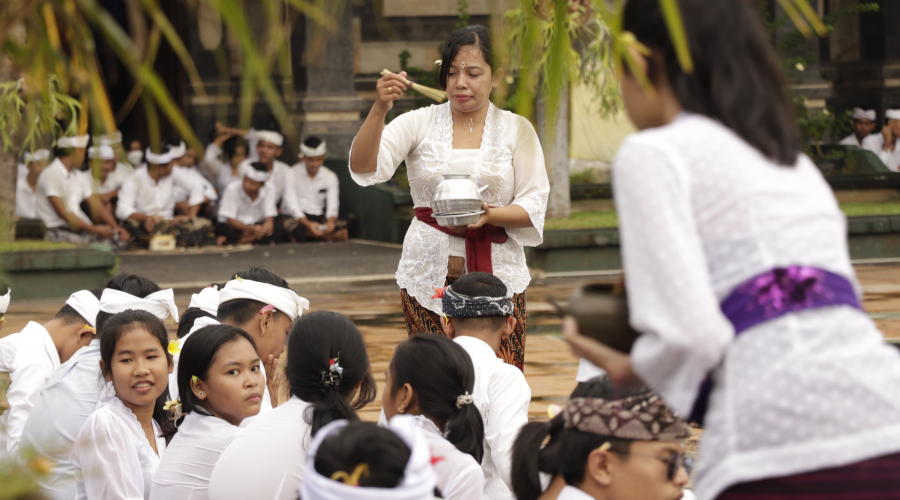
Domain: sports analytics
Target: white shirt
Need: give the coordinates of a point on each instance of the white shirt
(502, 396)
(573, 493)
(197, 177)
(851, 140)
(116, 178)
(891, 159)
(111, 456)
(459, 476)
(512, 165)
(236, 204)
(588, 371)
(56, 180)
(25, 206)
(278, 178)
(271, 451)
(68, 399)
(184, 471)
(313, 195)
(806, 391)
(141, 194)
(29, 357)
(218, 167)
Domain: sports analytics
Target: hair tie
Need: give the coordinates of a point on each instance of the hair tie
(174, 406)
(465, 399)
(360, 471)
(331, 379)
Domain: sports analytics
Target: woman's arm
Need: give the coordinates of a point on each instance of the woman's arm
(364, 153)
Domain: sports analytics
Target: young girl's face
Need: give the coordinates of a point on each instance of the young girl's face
(139, 368)
(234, 382)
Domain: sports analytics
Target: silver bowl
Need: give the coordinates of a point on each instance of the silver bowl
(456, 194)
(458, 219)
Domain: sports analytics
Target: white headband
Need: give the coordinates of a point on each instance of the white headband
(4, 301)
(178, 152)
(861, 114)
(160, 304)
(102, 152)
(78, 141)
(418, 482)
(108, 139)
(307, 151)
(161, 159)
(86, 304)
(269, 136)
(893, 114)
(283, 299)
(207, 299)
(256, 175)
(39, 155)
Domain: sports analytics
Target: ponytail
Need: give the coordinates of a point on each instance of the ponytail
(529, 459)
(327, 360)
(444, 386)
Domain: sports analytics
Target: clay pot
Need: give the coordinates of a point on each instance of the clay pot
(602, 314)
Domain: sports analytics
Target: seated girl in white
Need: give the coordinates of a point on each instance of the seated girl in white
(438, 395)
(118, 449)
(221, 384)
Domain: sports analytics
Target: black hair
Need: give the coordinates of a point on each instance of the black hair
(316, 339)
(737, 78)
(197, 355)
(312, 141)
(240, 311)
(476, 35)
(439, 370)
(567, 449)
(230, 144)
(131, 284)
(260, 166)
(188, 318)
(118, 325)
(479, 284)
(59, 152)
(70, 316)
(364, 443)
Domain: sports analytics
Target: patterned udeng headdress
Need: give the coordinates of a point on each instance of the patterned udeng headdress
(458, 305)
(639, 418)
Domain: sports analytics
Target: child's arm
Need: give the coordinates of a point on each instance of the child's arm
(509, 399)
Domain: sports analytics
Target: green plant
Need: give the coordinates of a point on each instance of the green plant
(462, 10)
(28, 113)
(418, 75)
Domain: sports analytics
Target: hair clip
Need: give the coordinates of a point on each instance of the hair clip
(465, 399)
(91, 328)
(361, 471)
(438, 62)
(331, 379)
(174, 406)
(174, 347)
(269, 307)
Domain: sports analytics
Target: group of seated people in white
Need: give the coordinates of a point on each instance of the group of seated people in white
(886, 144)
(85, 193)
(122, 412)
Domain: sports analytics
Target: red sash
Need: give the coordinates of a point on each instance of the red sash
(478, 241)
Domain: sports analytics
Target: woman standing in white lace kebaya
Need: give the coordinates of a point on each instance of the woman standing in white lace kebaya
(467, 135)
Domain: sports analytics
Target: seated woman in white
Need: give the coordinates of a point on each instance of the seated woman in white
(118, 449)
(438, 395)
(221, 384)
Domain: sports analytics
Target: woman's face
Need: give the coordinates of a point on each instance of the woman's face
(139, 368)
(640, 476)
(644, 107)
(390, 400)
(234, 383)
(470, 80)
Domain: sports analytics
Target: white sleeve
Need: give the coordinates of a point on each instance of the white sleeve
(399, 138)
(532, 185)
(509, 397)
(211, 161)
(252, 141)
(228, 205)
(332, 196)
(466, 485)
(671, 300)
(270, 208)
(27, 382)
(127, 204)
(106, 460)
(190, 183)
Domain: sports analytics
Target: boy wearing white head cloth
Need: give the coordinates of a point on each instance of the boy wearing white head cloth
(59, 195)
(74, 389)
(247, 211)
(885, 144)
(268, 149)
(27, 183)
(862, 123)
(31, 356)
(313, 195)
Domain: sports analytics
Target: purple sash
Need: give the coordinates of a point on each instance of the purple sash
(772, 295)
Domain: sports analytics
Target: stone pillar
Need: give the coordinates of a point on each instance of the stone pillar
(862, 58)
(328, 106)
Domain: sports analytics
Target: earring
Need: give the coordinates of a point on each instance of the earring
(201, 393)
(402, 410)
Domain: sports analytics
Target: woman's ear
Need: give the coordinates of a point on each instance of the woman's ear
(107, 375)
(198, 387)
(408, 396)
(497, 78)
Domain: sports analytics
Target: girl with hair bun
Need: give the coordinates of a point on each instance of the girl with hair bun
(432, 378)
(329, 376)
(221, 384)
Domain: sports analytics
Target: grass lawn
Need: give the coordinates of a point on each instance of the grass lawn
(596, 220)
(30, 245)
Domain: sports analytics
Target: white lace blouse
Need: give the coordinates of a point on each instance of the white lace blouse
(511, 163)
(701, 212)
(111, 456)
